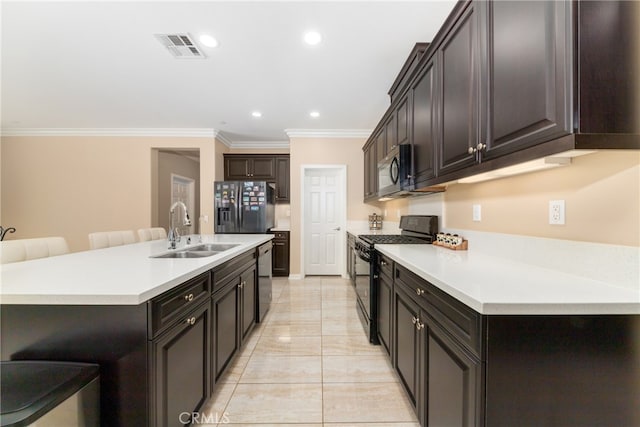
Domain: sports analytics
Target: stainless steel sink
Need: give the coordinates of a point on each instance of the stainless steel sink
(216, 247)
(200, 251)
(187, 254)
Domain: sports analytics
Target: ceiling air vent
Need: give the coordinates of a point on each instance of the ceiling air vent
(180, 45)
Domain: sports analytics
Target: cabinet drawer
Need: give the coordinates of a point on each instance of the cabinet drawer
(461, 322)
(170, 306)
(232, 269)
(385, 265)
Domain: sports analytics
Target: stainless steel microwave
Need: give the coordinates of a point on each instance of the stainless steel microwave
(394, 172)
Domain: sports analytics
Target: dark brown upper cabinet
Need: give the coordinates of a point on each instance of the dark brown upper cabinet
(381, 144)
(282, 179)
(423, 124)
(260, 167)
(459, 94)
(608, 68)
(249, 167)
(370, 169)
(504, 82)
(528, 70)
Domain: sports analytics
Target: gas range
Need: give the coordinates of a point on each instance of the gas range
(416, 229)
(394, 239)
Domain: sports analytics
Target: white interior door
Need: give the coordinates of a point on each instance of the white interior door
(183, 190)
(324, 215)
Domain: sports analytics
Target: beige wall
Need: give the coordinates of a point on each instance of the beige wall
(71, 186)
(219, 161)
(326, 151)
(601, 193)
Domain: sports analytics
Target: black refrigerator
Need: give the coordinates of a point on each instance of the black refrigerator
(244, 206)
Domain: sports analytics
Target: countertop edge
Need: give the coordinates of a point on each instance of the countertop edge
(121, 298)
(524, 307)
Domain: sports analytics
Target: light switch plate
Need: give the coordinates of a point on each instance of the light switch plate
(477, 213)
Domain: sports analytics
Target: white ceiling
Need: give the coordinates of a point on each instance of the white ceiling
(97, 65)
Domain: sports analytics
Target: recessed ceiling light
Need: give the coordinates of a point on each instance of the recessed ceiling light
(208, 41)
(314, 114)
(312, 38)
(256, 114)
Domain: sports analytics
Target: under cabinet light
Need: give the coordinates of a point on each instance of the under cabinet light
(526, 167)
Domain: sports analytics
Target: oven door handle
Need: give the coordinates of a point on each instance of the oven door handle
(362, 256)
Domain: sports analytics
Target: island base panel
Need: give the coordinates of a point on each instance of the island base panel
(563, 371)
(115, 337)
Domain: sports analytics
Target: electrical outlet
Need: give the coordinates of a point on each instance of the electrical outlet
(477, 213)
(556, 212)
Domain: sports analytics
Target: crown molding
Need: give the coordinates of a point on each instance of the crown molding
(328, 133)
(155, 132)
(260, 144)
(223, 139)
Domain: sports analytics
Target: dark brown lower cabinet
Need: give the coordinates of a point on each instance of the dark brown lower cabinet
(460, 368)
(159, 361)
(181, 368)
(225, 326)
(385, 298)
(407, 346)
(247, 301)
(441, 379)
(234, 315)
(452, 378)
(280, 260)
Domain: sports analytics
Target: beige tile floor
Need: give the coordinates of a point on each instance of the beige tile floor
(309, 364)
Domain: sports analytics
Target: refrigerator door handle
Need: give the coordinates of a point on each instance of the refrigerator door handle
(240, 217)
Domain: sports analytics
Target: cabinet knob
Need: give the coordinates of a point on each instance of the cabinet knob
(419, 325)
(481, 146)
(419, 291)
(188, 297)
(472, 150)
(414, 320)
(191, 321)
(384, 263)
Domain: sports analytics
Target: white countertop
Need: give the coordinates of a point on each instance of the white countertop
(120, 275)
(495, 285)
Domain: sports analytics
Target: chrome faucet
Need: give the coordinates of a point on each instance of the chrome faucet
(173, 235)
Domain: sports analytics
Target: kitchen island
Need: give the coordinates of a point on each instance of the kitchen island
(162, 330)
(483, 340)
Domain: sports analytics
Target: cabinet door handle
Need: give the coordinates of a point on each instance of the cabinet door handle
(188, 297)
(419, 291)
(191, 321)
